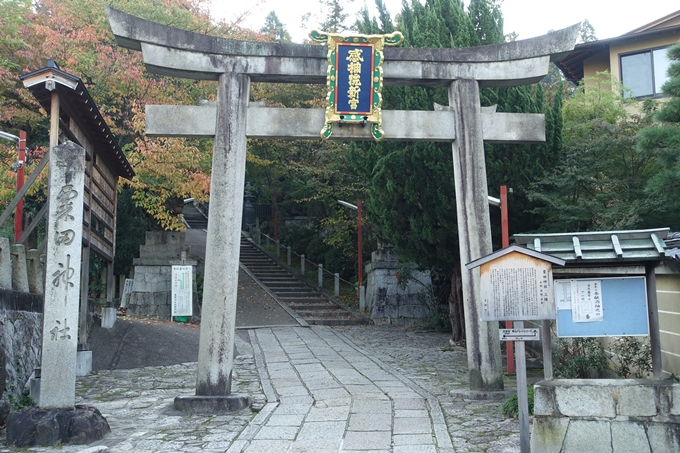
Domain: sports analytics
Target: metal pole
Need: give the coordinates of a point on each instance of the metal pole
(522, 397)
(505, 238)
(19, 213)
(278, 249)
(302, 264)
(653, 311)
(288, 255)
(360, 246)
(337, 284)
(320, 277)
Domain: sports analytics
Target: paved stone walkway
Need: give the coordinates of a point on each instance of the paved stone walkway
(319, 389)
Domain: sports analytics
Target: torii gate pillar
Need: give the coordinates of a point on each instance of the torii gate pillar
(474, 232)
(218, 326)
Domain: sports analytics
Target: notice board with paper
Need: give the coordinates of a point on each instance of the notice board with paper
(601, 307)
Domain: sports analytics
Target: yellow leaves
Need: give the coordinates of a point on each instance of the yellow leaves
(168, 169)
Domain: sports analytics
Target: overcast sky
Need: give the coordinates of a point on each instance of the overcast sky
(527, 18)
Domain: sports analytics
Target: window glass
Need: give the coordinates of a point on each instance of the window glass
(636, 73)
(661, 64)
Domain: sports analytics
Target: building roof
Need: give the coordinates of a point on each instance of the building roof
(633, 246)
(515, 249)
(572, 65)
(42, 82)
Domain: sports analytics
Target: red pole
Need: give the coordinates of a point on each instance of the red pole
(19, 213)
(505, 237)
(360, 247)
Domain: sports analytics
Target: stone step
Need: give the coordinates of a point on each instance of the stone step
(311, 306)
(299, 294)
(336, 322)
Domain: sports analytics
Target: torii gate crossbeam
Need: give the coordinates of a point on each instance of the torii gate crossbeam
(234, 64)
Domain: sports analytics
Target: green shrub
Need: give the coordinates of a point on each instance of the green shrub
(21, 402)
(633, 358)
(511, 406)
(579, 358)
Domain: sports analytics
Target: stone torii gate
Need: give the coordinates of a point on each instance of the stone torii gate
(234, 64)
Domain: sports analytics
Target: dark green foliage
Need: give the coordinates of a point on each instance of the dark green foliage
(411, 186)
(276, 29)
(599, 180)
(511, 406)
(131, 226)
(632, 358)
(663, 140)
(579, 358)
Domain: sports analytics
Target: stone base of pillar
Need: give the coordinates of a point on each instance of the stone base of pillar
(83, 363)
(198, 404)
(35, 426)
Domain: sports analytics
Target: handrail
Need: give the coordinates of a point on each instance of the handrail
(310, 261)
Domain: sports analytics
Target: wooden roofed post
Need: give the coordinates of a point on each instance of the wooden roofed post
(178, 53)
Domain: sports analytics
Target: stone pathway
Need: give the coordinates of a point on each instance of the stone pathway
(319, 389)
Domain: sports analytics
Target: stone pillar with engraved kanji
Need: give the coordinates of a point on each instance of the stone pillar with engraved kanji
(62, 282)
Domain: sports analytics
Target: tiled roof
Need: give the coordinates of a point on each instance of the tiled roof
(600, 247)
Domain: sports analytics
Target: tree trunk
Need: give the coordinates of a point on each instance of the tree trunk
(456, 311)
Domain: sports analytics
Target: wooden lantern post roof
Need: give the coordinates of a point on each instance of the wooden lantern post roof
(42, 82)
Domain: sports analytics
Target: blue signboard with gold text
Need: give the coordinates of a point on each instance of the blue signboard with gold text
(355, 79)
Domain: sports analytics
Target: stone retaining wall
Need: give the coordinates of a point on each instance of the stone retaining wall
(20, 338)
(606, 416)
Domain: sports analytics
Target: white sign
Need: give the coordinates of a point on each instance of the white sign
(563, 294)
(519, 334)
(586, 301)
(127, 291)
(182, 285)
(517, 288)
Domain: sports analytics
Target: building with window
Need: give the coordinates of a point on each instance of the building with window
(638, 58)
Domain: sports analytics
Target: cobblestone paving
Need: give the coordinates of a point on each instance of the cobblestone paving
(387, 389)
(428, 360)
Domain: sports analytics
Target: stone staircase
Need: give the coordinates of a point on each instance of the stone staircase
(308, 303)
(194, 218)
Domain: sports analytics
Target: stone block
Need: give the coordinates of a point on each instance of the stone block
(589, 399)
(198, 404)
(675, 406)
(664, 437)
(35, 271)
(588, 436)
(629, 437)
(108, 317)
(5, 265)
(636, 400)
(547, 433)
(19, 270)
(544, 400)
(83, 363)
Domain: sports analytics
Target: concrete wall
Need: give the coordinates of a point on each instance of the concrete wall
(606, 416)
(668, 299)
(392, 302)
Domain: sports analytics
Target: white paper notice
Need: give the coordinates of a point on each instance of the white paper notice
(563, 294)
(182, 286)
(586, 301)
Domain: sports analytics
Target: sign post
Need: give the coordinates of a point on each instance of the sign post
(517, 285)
